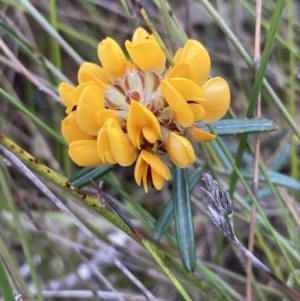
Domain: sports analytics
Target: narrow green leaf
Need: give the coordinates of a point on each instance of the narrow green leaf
(276, 178)
(5, 288)
(153, 251)
(83, 176)
(165, 220)
(184, 219)
(229, 127)
(167, 216)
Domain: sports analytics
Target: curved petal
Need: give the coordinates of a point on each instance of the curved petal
(103, 146)
(182, 69)
(72, 117)
(140, 34)
(197, 110)
(149, 134)
(138, 118)
(90, 72)
(198, 135)
(180, 150)
(112, 139)
(177, 56)
(72, 132)
(66, 94)
(187, 88)
(140, 172)
(90, 103)
(178, 104)
(156, 164)
(84, 153)
(102, 115)
(112, 58)
(146, 54)
(198, 58)
(76, 95)
(157, 180)
(217, 94)
(121, 147)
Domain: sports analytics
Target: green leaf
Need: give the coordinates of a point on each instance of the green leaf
(229, 127)
(5, 288)
(184, 219)
(276, 178)
(83, 177)
(167, 216)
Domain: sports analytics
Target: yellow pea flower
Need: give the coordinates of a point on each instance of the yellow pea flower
(138, 110)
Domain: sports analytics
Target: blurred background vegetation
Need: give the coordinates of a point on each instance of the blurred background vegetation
(42, 43)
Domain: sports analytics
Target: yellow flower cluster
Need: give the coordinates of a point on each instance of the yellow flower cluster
(139, 110)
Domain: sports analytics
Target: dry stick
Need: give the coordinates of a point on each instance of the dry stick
(26, 171)
(219, 207)
(290, 204)
(256, 154)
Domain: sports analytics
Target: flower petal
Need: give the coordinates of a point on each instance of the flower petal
(156, 164)
(76, 95)
(103, 146)
(180, 150)
(71, 131)
(90, 103)
(198, 58)
(140, 35)
(112, 58)
(217, 94)
(112, 137)
(102, 115)
(177, 56)
(198, 135)
(84, 153)
(140, 172)
(149, 134)
(178, 104)
(197, 110)
(66, 94)
(146, 54)
(90, 72)
(182, 69)
(157, 180)
(187, 88)
(138, 118)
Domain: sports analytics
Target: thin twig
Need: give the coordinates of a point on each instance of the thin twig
(256, 152)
